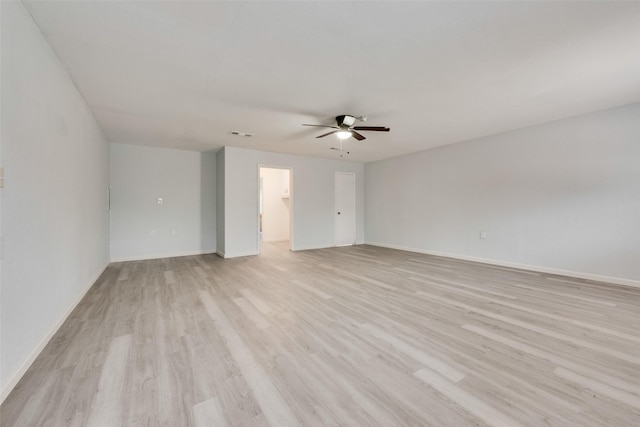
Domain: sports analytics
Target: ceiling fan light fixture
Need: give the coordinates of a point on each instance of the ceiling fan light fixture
(344, 128)
(343, 134)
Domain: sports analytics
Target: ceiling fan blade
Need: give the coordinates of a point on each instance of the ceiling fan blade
(326, 134)
(323, 126)
(357, 136)
(373, 128)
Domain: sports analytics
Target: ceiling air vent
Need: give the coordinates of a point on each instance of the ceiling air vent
(245, 134)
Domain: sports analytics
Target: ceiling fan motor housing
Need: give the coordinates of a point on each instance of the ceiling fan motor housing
(346, 120)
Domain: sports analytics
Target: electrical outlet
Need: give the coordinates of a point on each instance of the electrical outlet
(483, 234)
(152, 233)
(172, 231)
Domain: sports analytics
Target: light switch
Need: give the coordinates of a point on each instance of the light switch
(173, 231)
(159, 200)
(483, 234)
(152, 233)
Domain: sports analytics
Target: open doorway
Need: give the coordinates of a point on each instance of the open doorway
(274, 208)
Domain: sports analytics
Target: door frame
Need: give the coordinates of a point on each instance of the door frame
(291, 192)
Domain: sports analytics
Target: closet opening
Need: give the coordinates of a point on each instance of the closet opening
(274, 208)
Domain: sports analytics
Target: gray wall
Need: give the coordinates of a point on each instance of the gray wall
(564, 195)
(312, 200)
(55, 221)
(185, 180)
(220, 218)
(208, 221)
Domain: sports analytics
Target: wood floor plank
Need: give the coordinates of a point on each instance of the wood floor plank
(257, 302)
(106, 409)
(358, 336)
(629, 357)
(474, 405)
(251, 312)
(423, 358)
(209, 413)
(605, 389)
(269, 398)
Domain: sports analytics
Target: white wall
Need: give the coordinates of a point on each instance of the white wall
(275, 208)
(208, 222)
(140, 227)
(54, 212)
(220, 218)
(3, 390)
(312, 199)
(562, 196)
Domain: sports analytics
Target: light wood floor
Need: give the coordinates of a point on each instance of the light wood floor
(356, 336)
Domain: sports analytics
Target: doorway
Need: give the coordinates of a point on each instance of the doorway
(274, 208)
(345, 208)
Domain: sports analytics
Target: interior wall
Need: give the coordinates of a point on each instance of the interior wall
(208, 221)
(563, 196)
(220, 218)
(275, 204)
(55, 220)
(312, 199)
(184, 224)
(2, 381)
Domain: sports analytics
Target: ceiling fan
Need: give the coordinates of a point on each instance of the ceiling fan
(345, 128)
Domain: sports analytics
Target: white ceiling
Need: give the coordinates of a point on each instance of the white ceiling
(185, 74)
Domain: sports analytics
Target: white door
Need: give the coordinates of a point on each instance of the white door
(345, 212)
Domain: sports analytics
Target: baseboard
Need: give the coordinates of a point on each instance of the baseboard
(6, 388)
(536, 268)
(241, 254)
(220, 254)
(309, 248)
(160, 256)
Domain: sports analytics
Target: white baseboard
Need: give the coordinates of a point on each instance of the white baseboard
(536, 268)
(15, 378)
(309, 248)
(160, 256)
(240, 254)
(220, 253)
